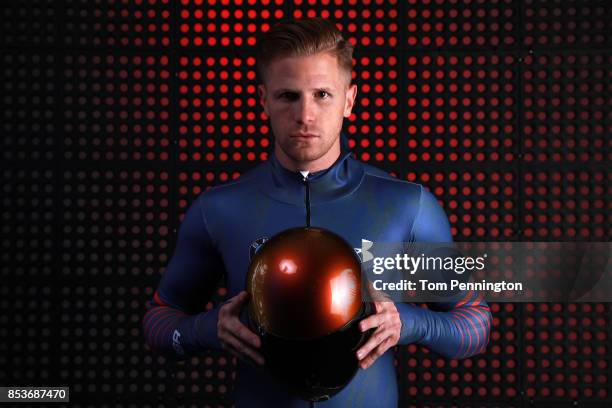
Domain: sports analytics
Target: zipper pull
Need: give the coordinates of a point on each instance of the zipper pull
(307, 198)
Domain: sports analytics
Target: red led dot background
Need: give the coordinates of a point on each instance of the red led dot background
(117, 114)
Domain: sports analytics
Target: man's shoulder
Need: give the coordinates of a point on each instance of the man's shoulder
(236, 189)
(377, 176)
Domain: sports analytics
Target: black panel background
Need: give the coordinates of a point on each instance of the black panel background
(101, 157)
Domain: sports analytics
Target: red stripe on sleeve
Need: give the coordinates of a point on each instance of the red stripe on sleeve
(168, 317)
(472, 320)
(465, 299)
(460, 318)
(159, 300)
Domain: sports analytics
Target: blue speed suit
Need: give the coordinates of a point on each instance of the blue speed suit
(350, 198)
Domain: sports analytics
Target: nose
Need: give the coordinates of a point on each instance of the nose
(305, 110)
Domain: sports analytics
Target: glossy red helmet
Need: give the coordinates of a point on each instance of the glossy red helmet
(305, 288)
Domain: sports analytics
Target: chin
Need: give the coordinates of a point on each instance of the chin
(304, 157)
(301, 153)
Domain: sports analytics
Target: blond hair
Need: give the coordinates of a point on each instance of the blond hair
(301, 38)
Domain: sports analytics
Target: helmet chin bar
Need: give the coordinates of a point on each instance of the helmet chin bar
(315, 369)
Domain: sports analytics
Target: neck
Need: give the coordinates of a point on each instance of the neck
(322, 163)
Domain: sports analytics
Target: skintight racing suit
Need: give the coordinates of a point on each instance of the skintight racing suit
(350, 198)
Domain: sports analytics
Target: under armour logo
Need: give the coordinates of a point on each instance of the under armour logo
(365, 254)
(176, 342)
(255, 246)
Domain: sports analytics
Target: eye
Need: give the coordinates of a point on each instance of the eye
(323, 94)
(290, 96)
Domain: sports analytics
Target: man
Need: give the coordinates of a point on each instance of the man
(306, 68)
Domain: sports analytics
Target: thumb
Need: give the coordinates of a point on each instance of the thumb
(239, 300)
(377, 295)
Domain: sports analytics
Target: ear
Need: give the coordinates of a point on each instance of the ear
(351, 94)
(263, 97)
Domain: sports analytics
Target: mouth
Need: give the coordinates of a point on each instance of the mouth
(303, 136)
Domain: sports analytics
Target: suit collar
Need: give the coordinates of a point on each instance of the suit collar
(337, 181)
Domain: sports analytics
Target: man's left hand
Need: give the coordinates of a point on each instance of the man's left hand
(388, 327)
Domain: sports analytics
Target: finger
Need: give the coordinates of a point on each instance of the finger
(239, 330)
(242, 349)
(235, 303)
(375, 354)
(370, 322)
(377, 337)
(376, 295)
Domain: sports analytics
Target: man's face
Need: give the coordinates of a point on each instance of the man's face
(306, 99)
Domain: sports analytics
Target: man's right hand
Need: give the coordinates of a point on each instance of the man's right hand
(234, 336)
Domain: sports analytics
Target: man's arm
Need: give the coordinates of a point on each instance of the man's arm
(453, 329)
(456, 330)
(175, 323)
